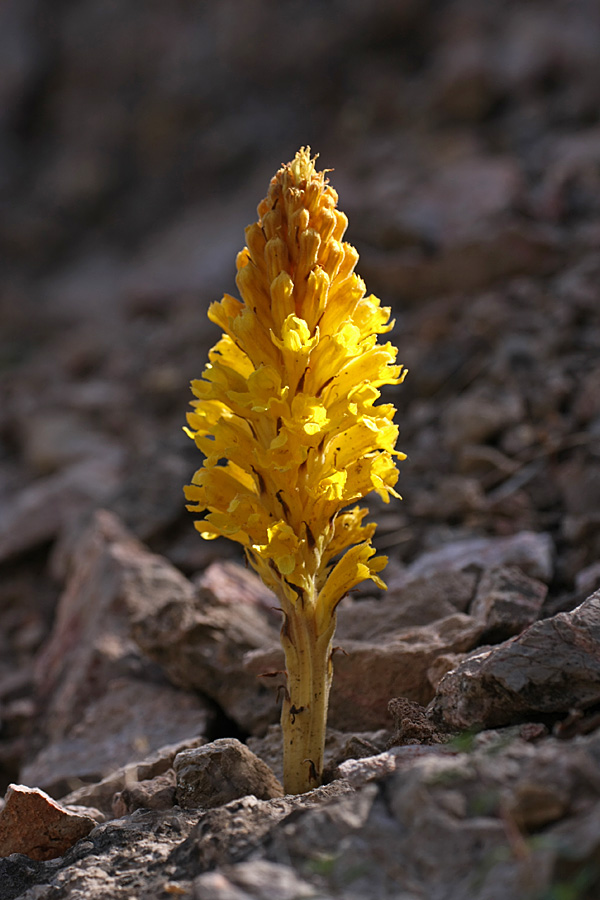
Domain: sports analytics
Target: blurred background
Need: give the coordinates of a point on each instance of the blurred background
(136, 140)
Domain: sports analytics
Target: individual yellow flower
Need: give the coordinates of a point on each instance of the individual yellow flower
(287, 417)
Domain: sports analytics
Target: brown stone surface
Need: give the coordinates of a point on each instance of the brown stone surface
(101, 794)
(37, 514)
(550, 669)
(90, 644)
(154, 793)
(530, 552)
(131, 720)
(508, 601)
(412, 724)
(201, 645)
(222, 771)
(33, 824)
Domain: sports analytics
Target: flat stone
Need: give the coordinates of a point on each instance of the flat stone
(33, 824)
(417, 603)
(90, 644)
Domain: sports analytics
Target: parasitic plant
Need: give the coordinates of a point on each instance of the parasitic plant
(287, 417)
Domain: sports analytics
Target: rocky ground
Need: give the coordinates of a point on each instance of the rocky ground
(136, 730)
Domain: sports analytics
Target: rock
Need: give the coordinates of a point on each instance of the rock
(588, 580)
(32, 823)
(475, 416)
(155, 793)
(102, 794)
(531, 552)
(497, 252)
(90, 644)
(417, 603)
(201, 645)
(462, 803)
(466, 805)
(131, 720)
(441, 665)
(358, 772)
(320, 833)
(222, 771)
(571, 167)
(38, 512)
(121, 854)
(232, 585)
(148, 500)
(254, 880)
(551, 668)
(244, 824)
(455, 496)
(56, 439)
(507, 601)
(478, 810)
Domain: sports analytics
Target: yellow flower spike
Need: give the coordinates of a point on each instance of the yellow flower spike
(286, 414)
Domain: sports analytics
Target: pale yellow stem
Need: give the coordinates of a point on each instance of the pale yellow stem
(304, 711)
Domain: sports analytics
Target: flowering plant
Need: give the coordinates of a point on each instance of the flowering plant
(287, 418)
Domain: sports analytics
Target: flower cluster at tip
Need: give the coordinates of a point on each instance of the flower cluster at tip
(286, 412)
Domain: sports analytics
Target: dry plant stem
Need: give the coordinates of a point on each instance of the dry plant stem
(304, 711)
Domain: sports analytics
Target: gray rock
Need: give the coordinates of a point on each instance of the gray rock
(530, 551)
(201, 644)
(439, 825)
(133, 718)
(475, 417)
(508, 601)
(551, 668)
(39, 512)
(101, 794)
(222, 771)
(450, 826)
(110, 578)
(358, 772)
(255, 880)
(56, 439)
(420, 602)
(246, 824)
(155, 793)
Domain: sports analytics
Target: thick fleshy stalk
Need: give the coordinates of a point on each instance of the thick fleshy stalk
(308, 651)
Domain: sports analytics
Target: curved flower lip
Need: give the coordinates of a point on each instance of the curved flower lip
(286, 410)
